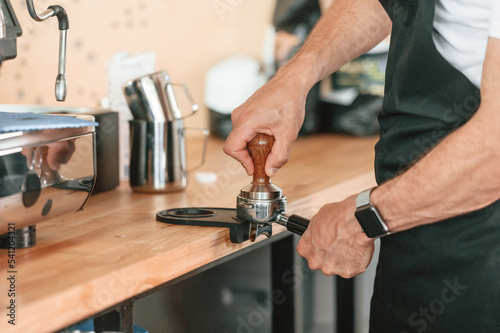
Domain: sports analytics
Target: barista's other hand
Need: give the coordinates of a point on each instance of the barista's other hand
(57, 153)
(276, 109)
(53, 154)
(334, 241)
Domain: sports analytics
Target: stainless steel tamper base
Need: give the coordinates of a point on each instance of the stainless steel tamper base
(261, 192)
(260, 205)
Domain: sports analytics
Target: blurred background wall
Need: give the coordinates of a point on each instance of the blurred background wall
(187, 36)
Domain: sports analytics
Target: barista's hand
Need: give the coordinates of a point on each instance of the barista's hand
(334, 241)
(57, 153)
(276, 109)
(54, 154)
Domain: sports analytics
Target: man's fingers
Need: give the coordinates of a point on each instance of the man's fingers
(278, 157)
(237, 148)
(246, 161)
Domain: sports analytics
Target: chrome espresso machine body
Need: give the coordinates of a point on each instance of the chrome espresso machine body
(43, 173)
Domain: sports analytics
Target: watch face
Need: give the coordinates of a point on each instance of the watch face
(371, 222)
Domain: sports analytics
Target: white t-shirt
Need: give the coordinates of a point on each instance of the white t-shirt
(461, 30)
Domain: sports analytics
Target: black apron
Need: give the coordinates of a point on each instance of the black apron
(443, 277)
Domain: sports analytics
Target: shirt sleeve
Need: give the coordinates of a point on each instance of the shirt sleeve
(495, 19)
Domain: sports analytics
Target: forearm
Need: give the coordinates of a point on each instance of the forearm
(347, 29)
(461, 174)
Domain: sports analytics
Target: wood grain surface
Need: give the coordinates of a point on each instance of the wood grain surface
(260, 148)
(87, 261)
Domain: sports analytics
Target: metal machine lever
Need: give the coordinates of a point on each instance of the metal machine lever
(61, 86)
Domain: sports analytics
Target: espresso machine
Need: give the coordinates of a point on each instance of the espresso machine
(43, 172)
(258, 206)
(47, 162)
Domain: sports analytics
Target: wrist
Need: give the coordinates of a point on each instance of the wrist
(382, 199)
(301, 71)
(355, 228)
(369, 217)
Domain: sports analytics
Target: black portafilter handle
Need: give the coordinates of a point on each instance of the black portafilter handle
(293, 223)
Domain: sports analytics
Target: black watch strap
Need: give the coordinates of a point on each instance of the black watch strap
(369, 217)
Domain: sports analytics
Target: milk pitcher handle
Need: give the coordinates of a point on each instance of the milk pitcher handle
(173, 104)
(205, 140)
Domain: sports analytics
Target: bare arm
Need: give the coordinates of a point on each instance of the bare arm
(348, 29)
(461, 174)
(345, 31)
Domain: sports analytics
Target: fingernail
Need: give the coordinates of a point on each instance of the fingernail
(272, 171)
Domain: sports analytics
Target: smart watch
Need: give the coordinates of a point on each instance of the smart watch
(369, 217)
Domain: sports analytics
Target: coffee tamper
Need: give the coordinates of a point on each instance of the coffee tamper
(257, 206)
(262, 202)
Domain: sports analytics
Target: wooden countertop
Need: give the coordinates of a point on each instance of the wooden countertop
(114, 249)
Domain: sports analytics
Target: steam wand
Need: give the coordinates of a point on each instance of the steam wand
(61, 87)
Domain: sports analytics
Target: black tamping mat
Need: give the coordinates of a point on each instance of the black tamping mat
(239, 230)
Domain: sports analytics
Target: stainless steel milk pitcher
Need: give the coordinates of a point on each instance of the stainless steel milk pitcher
(151, 98)
(158, 136)
(158, 156)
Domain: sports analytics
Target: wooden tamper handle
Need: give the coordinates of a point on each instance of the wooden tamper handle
(260, 148)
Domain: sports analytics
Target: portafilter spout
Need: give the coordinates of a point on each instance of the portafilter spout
(61, 86)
